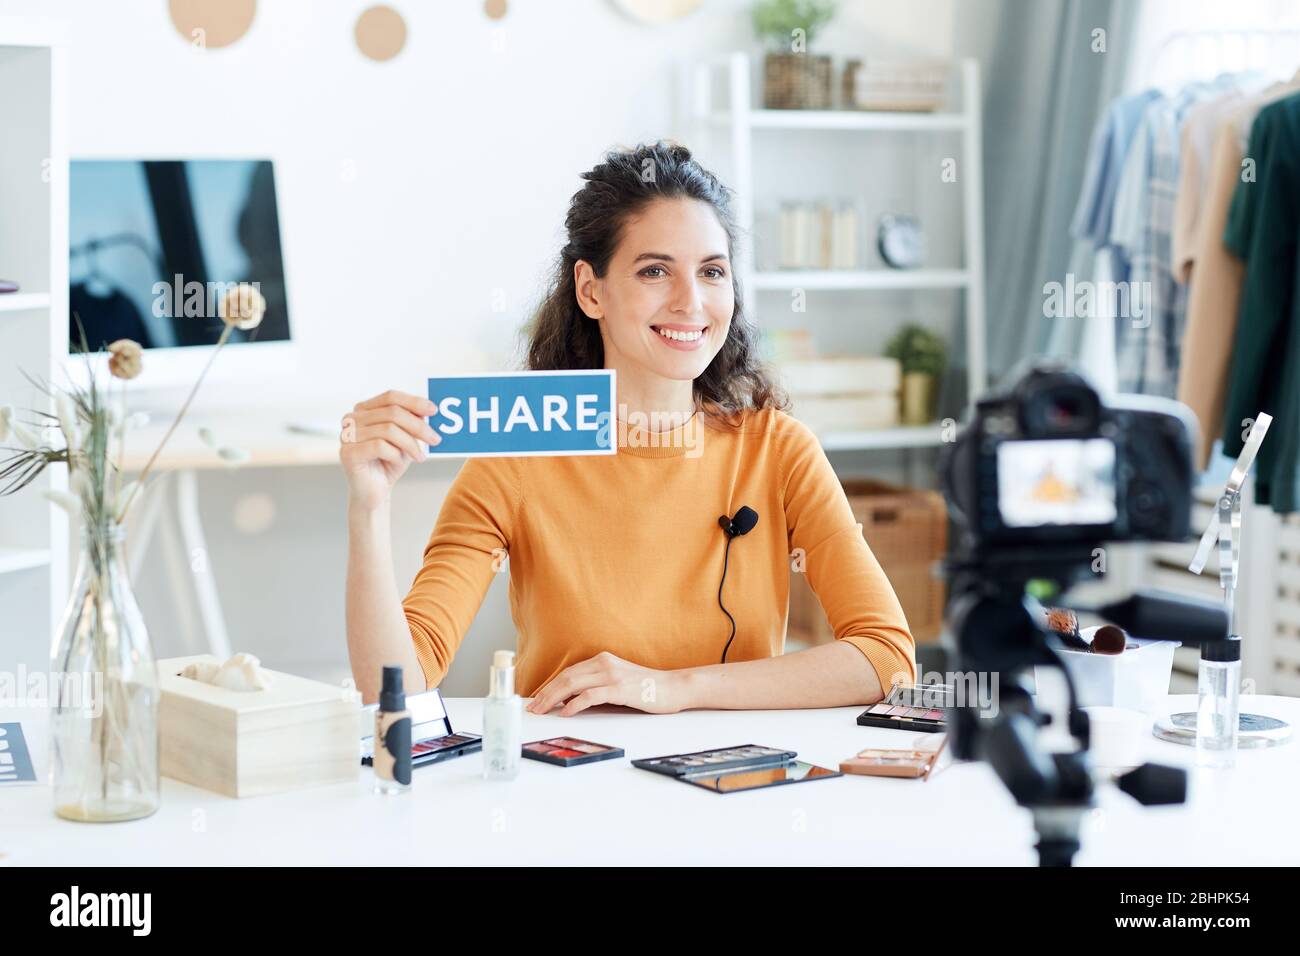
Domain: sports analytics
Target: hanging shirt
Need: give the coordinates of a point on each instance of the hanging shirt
(1264, 373)
(1149, 337)
(1194, 158)
(1095, 257)
(1214, 292)
(1111, 142)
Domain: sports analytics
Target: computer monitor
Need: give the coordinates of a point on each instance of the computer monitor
(153, 246)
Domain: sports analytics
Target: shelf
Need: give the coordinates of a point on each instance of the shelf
(23, 301)
(849, 120)
(916, 436)
(18, 559)
(863, 279)
(720, 92)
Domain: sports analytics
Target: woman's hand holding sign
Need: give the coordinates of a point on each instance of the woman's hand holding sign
(380, 439)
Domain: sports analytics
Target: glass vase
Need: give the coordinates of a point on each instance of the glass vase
(104, 719)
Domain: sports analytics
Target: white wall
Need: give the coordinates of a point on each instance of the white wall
(411, 194)
(1165, 58)
(410, 191)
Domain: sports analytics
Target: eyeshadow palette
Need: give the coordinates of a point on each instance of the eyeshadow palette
(433, 749)
(570, 751)
(882, 762)
(911, 707)
(747, 756)
(793, 771)
(432, 737)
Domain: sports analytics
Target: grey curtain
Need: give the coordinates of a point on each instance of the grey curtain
(1044, 89)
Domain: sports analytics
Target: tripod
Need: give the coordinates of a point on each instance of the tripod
(998, 635)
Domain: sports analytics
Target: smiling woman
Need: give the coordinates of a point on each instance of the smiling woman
(617, 563)
(648, 258)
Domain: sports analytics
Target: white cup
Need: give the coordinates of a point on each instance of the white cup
(1118, 737)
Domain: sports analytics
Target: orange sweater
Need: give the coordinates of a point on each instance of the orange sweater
(623, 553)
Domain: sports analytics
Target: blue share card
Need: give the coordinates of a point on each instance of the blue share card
(524, 413)
(15, 761)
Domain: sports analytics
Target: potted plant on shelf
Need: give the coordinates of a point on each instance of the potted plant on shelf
(922, 355)
(793, 78)
(104, 695)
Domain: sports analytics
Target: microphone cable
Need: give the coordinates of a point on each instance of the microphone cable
(742, 523)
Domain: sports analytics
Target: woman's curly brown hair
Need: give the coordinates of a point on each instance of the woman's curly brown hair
(561, 336)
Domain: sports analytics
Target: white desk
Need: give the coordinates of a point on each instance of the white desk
(612, 813)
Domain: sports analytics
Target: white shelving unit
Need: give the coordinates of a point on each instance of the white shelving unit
(33, 327)
(863, 279)
(18, 302)
(747, 130)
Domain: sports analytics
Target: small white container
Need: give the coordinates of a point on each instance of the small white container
(1118, 736)
(1137, 679)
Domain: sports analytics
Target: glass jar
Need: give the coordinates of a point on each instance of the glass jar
(104, 706)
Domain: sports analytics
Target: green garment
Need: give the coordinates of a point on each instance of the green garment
(1264, 374)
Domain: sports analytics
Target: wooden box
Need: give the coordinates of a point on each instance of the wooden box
(907, 530)
(296, 733)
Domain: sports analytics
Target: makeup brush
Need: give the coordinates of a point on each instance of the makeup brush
(1109, 639)
(1065, 625)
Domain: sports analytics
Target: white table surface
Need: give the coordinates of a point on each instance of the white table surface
(612, 813)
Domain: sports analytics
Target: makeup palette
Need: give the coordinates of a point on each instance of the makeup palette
(432, 737)
(433, 749)
(793, 771)
(732, 769)
(748, 756)
(570, 751)
(911, 707)
(884, 762)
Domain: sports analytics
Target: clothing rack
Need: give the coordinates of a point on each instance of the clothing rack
(1207, 53)
(1266, 597)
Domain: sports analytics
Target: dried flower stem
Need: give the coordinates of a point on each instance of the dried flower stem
(225, 335)
(121, 449)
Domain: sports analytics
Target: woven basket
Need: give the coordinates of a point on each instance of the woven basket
(796, 81)
(907, 530)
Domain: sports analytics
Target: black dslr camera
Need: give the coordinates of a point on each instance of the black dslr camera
(1046, 465)
(1042, 476)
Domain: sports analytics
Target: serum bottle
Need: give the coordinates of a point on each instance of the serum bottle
(1218, 705)
(392, 758)
(502, 721)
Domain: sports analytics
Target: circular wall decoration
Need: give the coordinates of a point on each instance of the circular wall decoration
(380, 33)
(495, 9)
(211, 24)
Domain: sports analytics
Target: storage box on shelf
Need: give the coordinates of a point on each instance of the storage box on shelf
(902, 86)
(907, 530)
(843, 393)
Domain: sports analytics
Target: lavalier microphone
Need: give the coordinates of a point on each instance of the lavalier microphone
(741, 523)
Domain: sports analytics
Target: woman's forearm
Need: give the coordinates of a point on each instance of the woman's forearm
(377, 630)
(829, 675)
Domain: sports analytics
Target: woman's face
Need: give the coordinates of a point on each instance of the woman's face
(665, 303)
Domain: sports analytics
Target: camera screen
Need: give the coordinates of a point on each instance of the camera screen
(1056, 482)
